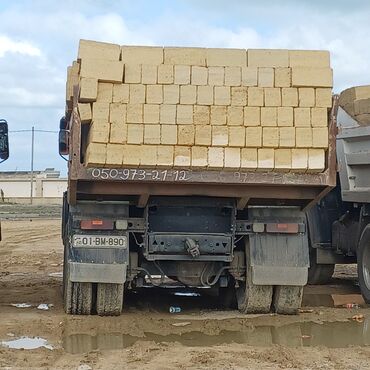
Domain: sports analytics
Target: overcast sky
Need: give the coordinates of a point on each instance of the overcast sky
(39, 39)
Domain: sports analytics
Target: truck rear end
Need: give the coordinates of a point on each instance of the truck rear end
(193, 165)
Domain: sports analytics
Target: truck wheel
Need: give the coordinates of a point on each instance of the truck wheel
(252, 298)
(109, 299)
(319, 274)
(287, 299)
(363, 263)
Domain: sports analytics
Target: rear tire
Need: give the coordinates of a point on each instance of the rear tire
(287, 299)
(109, 299)
(363, 264)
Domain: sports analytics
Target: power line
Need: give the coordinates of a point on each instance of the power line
(49, 131)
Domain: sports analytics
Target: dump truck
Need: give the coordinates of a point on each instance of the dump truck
(193, 165)
(4, 145)
(339, 225)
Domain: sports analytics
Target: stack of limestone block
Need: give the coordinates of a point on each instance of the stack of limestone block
(356, 102)
(231, 109)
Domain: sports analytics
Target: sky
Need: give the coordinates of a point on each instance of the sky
(39, 39)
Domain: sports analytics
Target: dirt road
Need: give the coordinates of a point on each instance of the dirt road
(147, 336)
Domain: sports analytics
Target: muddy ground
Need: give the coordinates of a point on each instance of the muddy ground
(147, 336)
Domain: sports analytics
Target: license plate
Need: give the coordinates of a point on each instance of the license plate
(100, 241)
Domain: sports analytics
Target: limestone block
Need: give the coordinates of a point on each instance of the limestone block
(149, 74)
(95, 154)
(137, 94)
(312, 77)
(302, 117)
(184, 115)
(266, 159)
(132, 74)
(165, 74)
(201, 114)
(199, 75)
(117, 113)
(171, 94)
(88, 90)
(121, 93)
(268, 58)
(252, 116)
(84, 109)
(182, 156)
(239, 96)
(319, 117)
(135, 134)
(105, 92)
(131, 155)
(220, 136)
(316, 160)
(218, 115)
(222, 95)
(185, 134)
(203, 135)
(270, 137)
(283, 160)
(100, 111)
(253, 137)
(309, 58)
(255, 97)
(152, 134)
(169, 134)
(236, 136)
(182, 75)
(268, 116)
(114, 154)
(248, 159)
(232, 158)
(233, 76)
(272, 97)
(154, 94)
(199, 157)
(88, 49)
(266, 77)
(215, 158)
(289, 97)
(306, 97)
(151, 113)
(323, 97)
(283, 77)
(285, 116)
(205, 95)
(303, 136)
(185, 56)
(320, 137)
(149, 156)
(249, 76)
(188, 94)
(99, 131)
(134, 113)
(226, 57)
(165, 156)
(299, 160)
(167, 114)
(287, 137)
(235, 116)
(216, 76)
(142, 54)
(118, 133)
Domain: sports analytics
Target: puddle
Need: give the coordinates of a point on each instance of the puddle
(332, 300)
(26, 343)
(329, 334)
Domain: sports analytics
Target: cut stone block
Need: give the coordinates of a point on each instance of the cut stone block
(137, 94)
(312, 77)
(88, 90)
(95, 154)
(235, 116)
(226, 57)
(203, 135)
(287, 137)
(131, 155)
(149, 74)
(253, 137)
(285, 116)
(105, 92)
(268, 58)
(154, 94)
(135, 134)
(248, 159)
(216, 76)
(319, 117)
(149, 156)
(185, 56)
(114, 154)
(184, 115)
(320, 137)
(185, 135)
(169, 134)
(88, 49)
(152, 134)
(316, 160)
(283, 77)
(132, 74)
(84, 109)
(100, 111)
(215, 158)
(303, 137)
(239, 96)
(272, 97)
(165, 74)
(237, 136)
(201, 114)
(309, 58)
(199, 157)
(283, 160)
(167, 114)
(182, 156)
(118, 133)
(151, 113)
(302, 117)
(265, 77)
(99, 132)
(205, 95)
(270, 137)
(182, 75)
(117, 113)
(252, 116)
(134, 113)
(165, 156)
(218, 115)
(222, 95)
(232, 158)
(188, 94)
(171, 94)
(268, 116)
(121, 93)
(306, 97)
(289, 97)
(199, 75)
(266, 159)
(299, 160)
(220, 136)
(233, 76)
(323, 97)
(255, 97)
(142, 54)
(249, 76)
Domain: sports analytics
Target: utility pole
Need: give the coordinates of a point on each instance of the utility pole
(32, 149)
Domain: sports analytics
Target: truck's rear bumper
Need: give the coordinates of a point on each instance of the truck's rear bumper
(97, 272)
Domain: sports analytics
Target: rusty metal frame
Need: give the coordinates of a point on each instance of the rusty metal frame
(305, 188)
